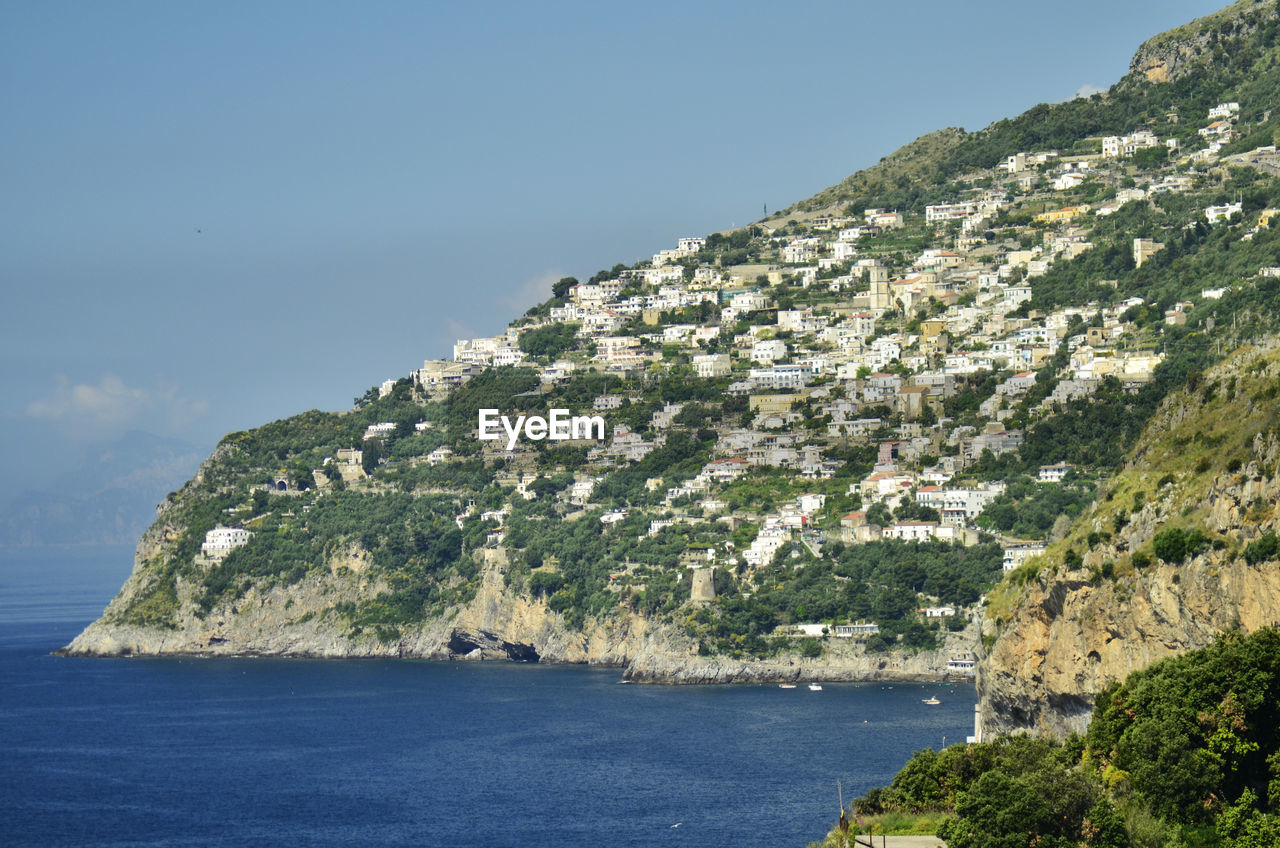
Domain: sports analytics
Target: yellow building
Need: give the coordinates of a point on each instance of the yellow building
(771, 404)
(1066, 213)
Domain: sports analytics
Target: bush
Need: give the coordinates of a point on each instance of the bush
(1173, 544)
(877, 644)
(1262, 549)
(1170, 545)
(550, 341)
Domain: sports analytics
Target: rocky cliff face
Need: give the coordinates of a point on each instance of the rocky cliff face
(1173, 54)
(1071, 638)
(1072, 631)
(301, 621)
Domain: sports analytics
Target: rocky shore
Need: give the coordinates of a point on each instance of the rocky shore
(300, 621)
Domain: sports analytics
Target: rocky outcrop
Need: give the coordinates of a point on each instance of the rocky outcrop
(1072, 638)
(305, 619)
(839, 662)
(1073, 631)
(1171, 55)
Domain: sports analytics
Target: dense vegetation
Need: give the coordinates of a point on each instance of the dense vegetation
(879, 581)
(1186, 752)
(1028, 510)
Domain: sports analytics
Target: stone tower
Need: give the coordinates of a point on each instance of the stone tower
(703, 589)
(881, 296)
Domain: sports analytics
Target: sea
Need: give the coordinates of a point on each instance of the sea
(214, 752)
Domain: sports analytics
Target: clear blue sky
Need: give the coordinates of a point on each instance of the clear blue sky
(215, 215)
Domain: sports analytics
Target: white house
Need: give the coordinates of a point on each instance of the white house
(221, 541)
(801, 250)
(1126, 145)
(707, 365)
(949, 212)
(1214, 214)
(1224, 110)
(845, 631)
(782, 376)
(809, 504)
(769, 350)
(1016, 555)
(912, 531)
(1054, 473)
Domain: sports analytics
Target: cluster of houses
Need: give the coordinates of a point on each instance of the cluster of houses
(837, 341)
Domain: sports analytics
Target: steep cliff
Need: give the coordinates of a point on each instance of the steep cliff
(1177, 550)
(1175, 54)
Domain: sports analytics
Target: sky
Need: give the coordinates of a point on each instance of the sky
(217, 215)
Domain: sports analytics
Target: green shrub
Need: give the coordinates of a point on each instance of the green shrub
(1262, 549)
(1170, 545)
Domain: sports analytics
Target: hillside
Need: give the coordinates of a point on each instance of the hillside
(812, 449)
(1180, 547)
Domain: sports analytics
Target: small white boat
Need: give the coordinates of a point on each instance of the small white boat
(815, 687)
(786, 686)
(931, 701)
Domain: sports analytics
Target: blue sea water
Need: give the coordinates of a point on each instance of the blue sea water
(211, 752)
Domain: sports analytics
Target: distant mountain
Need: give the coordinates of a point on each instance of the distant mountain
(110, 498)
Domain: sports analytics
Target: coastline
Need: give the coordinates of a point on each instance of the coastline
(300, 621)
(648, 668)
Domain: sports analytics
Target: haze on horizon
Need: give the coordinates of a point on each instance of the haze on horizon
(220, 216)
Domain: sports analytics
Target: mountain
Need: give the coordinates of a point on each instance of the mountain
(803, 449)
(109, 499)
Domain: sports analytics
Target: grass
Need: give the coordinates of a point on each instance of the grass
(156, 605)
(905, 824)
(892, 824)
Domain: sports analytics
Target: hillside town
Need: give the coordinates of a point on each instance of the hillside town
(908, 332)
(832, 430)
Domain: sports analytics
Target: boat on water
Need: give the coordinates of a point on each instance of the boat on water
(931, 701)
(815, 687)
(786, 686)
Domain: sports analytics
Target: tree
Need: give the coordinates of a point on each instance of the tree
(1262, 549)
(549, 341)
(879, 515)
(560, 288)
(370, 454)
(1170, 545)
